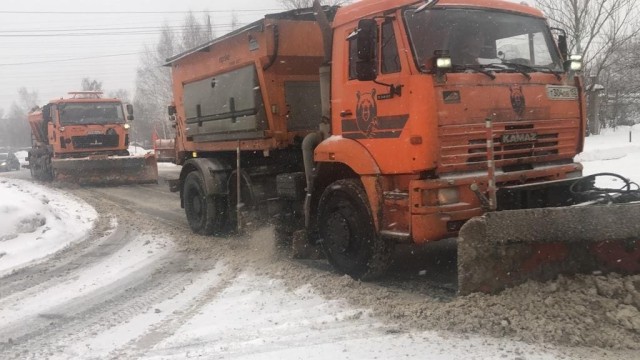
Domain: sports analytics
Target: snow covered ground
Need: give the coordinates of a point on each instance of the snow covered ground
(36, 221)
(251, 316)
(611, 151)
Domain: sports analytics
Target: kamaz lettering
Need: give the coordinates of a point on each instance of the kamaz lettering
(519, 138)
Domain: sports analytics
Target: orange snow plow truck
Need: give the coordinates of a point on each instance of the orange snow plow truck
(402, 121)
(84, 139)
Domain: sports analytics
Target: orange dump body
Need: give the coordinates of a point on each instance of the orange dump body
(258, 85)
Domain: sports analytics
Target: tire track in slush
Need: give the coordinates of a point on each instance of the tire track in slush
(105, 239)
(101, 317)
(32, 324)
(72, 322)
(169, 326)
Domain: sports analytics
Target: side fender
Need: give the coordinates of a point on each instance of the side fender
(214, 172)
(337, 149)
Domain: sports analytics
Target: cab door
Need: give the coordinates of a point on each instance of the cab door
(375, 112)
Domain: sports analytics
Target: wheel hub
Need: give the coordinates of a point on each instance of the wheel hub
(197, 204)
(338, 232)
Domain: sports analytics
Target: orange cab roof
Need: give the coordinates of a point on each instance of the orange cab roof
(368, 8)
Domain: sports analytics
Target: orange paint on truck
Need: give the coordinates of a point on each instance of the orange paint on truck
(414, 135)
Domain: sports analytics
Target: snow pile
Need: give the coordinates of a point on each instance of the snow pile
(565, 311)
(611, 151)
(22, 157)
(137, 150)
(37, 221)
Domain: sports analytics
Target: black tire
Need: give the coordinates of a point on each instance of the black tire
(289, 220)
(347, 232)
(205, 214)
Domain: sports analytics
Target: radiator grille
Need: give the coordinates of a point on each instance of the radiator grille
(464, 147)
(95, 141)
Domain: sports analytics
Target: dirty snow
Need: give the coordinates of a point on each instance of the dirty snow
(131, 259)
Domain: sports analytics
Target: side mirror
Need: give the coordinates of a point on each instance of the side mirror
(46, 113)
(366, 43)
(171, 110)
(562, 43)
(129, 112)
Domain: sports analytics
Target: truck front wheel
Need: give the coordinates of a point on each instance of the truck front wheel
(204, 213)
(347, 232)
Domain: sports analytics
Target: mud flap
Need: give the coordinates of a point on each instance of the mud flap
(107, 170)
(503, 249)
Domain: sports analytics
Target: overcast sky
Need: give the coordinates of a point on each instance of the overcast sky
(33, 48)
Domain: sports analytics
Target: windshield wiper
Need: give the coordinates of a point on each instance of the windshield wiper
(476, 68)
(522, 69)
(546, 70)
(526, 69)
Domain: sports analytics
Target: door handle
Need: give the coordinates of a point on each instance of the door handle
(346, 113)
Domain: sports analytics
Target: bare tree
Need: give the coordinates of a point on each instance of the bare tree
(596, 29)
(91, 85)
(153, 80)
(28, 100)
(211, 34)
(234, 20)
(622, 87)
(300, 4)
(15, 128)
(153, 85)
(194, 33)
(122, 94)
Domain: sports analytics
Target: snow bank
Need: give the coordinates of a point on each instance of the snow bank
(22, 157)
(137, 150)
(36, 221)
(611, 151)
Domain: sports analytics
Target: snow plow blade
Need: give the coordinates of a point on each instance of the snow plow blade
(107, 170)
(507, 248)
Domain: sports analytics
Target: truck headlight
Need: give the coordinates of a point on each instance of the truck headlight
(127, 126)
(576, 62)
(576, 65)
(443, 63)
(3, 164)
(448, 196)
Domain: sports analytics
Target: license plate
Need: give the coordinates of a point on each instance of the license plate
(562, 92)
(519, 138)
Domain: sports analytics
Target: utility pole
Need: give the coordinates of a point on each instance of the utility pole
(209, 28)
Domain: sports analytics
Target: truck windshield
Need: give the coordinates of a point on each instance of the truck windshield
(481, 39)
(91, 113)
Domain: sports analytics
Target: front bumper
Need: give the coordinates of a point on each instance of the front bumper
(431, 220)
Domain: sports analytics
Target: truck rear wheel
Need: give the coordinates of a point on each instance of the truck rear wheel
(347, 232)
(205, 214)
